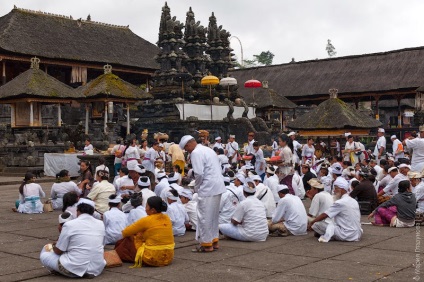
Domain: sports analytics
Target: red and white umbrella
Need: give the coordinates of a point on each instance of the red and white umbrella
(253, 83)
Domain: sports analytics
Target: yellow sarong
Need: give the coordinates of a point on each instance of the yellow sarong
(140, 252)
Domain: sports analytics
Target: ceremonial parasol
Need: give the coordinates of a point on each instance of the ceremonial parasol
(253, 83)
(210, 80)
(228, 81)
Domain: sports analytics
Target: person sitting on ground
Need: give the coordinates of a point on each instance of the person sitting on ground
(346, 224)
(62, 186)
(228, 203)
(79, 250)
(29, 196)
(176, 213)
(138, 211)
(101, 165)
(321, 200)
(115, 221)
(124, 185)
(64, 217)
(418, 189)
(152, 236)
(248, 222)
(399, 211)
(100, 193)
(365, 190)
(289, 217)
(188, 200)
(163, 183)
(264, 194)
(272, 182)
(392, 188)
(86, 178)
(70, 201)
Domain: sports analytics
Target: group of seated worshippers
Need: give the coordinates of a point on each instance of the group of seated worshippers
(141, 214)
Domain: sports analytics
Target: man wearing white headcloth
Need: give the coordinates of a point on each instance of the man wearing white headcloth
(232, 149)
(79, 249)
(143, 184)
(417, 147)
(115, 220)
(289, 217)
(272, 182)
(229, 202)
(397, 148)
(209, 184)
(239, 181)
(346, 224)
(248, 222)
(189, 202)
(163, 183)
(218, 143)
(380, 146)
(176, 213)
(264, 194)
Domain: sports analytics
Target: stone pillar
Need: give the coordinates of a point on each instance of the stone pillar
(59, 115)
(12, 115)
(128, 119)
(105, 119)
(3, 76)
(87, 113)
(31, 114)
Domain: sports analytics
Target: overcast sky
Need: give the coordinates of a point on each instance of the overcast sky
(288, 28)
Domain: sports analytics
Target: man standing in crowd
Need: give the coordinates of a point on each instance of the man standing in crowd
(232, 149)
(380, 146)
(177, 156)
(417, 147)
(209, 184)
(397, 148)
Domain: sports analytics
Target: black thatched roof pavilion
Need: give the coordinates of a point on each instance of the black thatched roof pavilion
(333, 117)
(109, 88)
(27, 91)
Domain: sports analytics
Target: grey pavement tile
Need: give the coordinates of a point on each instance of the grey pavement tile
(366, 240)
(48, 232)
(177, 265)
(403, 243)
(25, 225)
(215, 272)
(269, 243)
(313, 249)
(379, 257)
(6, 238)
(39, 273)
(16, 264)
(269, 261)
(221, 254)
(342, 271)
(106, 276)
(188, 236)
(278, 277)
(26, 246)
(385, 231)
(407, 274)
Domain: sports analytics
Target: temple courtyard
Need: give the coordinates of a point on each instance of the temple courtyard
(386, 254)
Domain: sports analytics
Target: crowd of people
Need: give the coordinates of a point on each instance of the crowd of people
(225, 191)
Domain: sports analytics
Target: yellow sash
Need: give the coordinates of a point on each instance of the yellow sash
(139, 256)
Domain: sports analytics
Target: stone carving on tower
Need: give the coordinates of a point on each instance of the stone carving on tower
(171, 57)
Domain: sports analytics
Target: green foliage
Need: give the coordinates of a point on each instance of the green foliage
(264, 58)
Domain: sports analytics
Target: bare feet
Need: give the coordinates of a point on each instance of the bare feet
(15, 209)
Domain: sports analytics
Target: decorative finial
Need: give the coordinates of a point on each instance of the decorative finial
(35, 63)
(333, 92)
(107, 68)
(89, 17)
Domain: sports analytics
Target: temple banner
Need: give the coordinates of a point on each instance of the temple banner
(203, 112)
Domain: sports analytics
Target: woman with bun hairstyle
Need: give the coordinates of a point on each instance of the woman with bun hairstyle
(29, 196)
(62, 186)
(152, 236)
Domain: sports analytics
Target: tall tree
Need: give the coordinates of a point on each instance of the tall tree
(264, 58)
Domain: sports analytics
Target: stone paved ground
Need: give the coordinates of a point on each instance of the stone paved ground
(382, 254)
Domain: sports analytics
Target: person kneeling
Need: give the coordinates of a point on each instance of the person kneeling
(346, 224)
(79, 250)
(399, 211)
(248, 222)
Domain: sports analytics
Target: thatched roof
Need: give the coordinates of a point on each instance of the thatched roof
(60, 37)
(334, 114)
(268, 98)
(110, 85)
(36, 83)
(394, 70)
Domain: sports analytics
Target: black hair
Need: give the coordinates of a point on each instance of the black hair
(174, 192)
(354, 184)
(403, 186)
(88, 165)
(69, 199)
(104, 174)
(190, 166)
(157, 203)
(230, 173)
(220, 151)
(62, 173)
(284, 191)
(124, 170)
(339, 159)
(178, 168)
(85, 208)
(102, 161)
(215, 149)
(27, 179)
(248, 194)
(347, 163)
(118, 141)
(136, 199)
(256, 144)
(113, 205)
(383, 162)
(170, 176)
(65, 215)
(143, 179)
(155, 143)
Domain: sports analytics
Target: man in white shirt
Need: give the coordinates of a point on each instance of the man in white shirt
(346, 224)
(143, 184)
(417, 147)
(209, 184)
(296, 147)
(250, 141)
(163, 183)
(272, 182)
(232, 149)
(177, 213)
(79, 250)
(391, 189)
(264, 194)
(321, 200)
(190, 204)
(380, 146)
(248, 222)
(378, 169)
(218, 143)
(150, 157)
(289, 217)
(397, 148)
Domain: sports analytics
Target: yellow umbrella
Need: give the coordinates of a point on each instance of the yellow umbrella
(210, 80)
